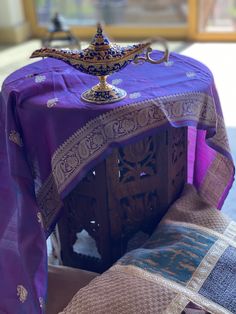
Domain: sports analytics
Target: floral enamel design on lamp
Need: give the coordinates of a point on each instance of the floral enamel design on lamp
(101, 59)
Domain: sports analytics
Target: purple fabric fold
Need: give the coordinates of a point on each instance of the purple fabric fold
(23, 253)
(50, 138)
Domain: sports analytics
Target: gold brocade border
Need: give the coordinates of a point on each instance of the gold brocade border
(230, 231)
(190, 292)
(117, 125)
(132, 119)
(218, 174)
(175, 307)
(205, 268)
(220, 138)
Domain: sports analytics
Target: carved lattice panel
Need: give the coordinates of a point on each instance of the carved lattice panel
(177, 153)
(86, 210)
(137, 161)
(132, 188)
(126, 193)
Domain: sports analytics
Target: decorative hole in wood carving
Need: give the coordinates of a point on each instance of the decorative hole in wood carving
(90, 176)
(85, 245)
(137, 161)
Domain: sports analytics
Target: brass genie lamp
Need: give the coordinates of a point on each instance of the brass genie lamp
(101, 59)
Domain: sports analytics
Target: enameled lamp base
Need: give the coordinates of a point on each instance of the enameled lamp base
(103, 93)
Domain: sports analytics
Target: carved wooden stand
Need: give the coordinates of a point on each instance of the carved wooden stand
(127, 193)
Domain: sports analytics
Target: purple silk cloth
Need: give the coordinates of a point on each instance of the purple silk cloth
(50, 138)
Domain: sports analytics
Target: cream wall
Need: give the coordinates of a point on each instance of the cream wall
(13, 25)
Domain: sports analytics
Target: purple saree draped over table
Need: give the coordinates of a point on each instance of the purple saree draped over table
(50, 138)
